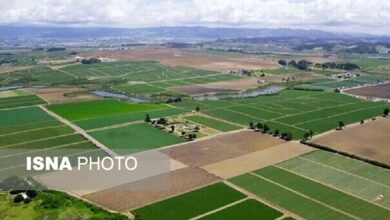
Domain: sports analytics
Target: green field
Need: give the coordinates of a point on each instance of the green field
(248, 209)
(111, 120)
(19, 119)
(316, 201)
(213, 123)
(281, 71)
(339, 172)
(20, 101)
(347, 83)
(136, 137)
(101, 108)
(286, 199)
(36, 76)
(190, 204)
(291, 110)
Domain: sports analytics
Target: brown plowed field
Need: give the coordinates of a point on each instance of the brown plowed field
(370, 140)
(57, 95)
(256, 160)
(140, 193)
(186, 57)
(378, 91)
(221, 147)
(218, 87)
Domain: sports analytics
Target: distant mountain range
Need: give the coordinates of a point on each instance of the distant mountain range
(168, 33)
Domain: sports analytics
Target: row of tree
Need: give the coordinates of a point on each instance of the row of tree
(265, 129)
(333, 65)
(301, 64)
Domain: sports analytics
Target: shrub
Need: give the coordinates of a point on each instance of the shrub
(18, 198)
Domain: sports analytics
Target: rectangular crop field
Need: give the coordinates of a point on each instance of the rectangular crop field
(136, 137)
(20, 101)
(111, 120)
(101, 108)
(213, 123)
(190, 204)
(248, 209)
(352, 176)
(291, 111)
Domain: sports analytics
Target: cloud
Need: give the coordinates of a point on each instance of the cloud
(354, 15)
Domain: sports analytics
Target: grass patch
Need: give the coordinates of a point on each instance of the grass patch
(135, 137)
(213, 123)
(248, 209)
(101, 108)
(190, 204)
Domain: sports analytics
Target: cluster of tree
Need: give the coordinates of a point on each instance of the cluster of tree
(160, 121)
(90, 61)
(31, 194)
(175, 100)
(308, 135)
(301, 64)
(333, 65)
(264, 128)
(55, 49)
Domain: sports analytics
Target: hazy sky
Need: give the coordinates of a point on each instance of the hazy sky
(368, 16)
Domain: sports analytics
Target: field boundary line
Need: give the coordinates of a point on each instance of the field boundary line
(219, 209)
(305, 196)
(218, 119)
(331, 187)
(251, 195)
(344, 113)
(35, 129)
(37, 140)
(80, 131)
(115, 126)
(63, 71)
(343, 171)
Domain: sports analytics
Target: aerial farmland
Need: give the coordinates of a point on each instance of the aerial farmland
(193, 123)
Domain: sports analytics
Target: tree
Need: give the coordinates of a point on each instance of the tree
(265, 128)
(197, 109)
(251, 125)
(172, 128)
(341, 125)
(303, 64)
(361, 121)
(259, 126)
(276, 133)
(282, 62)
(18, 198)
(31, 193)
(306, 136)
(286, 136)
(162, 121)
(147, 118)
(386, 112)
(311, 133)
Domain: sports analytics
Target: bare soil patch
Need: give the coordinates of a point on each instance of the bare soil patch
(186, 57)
(221, 147)
(59, 95)
(246, 163)
(140, 193)
(219, 87)
(370, 140)
(377, 91)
